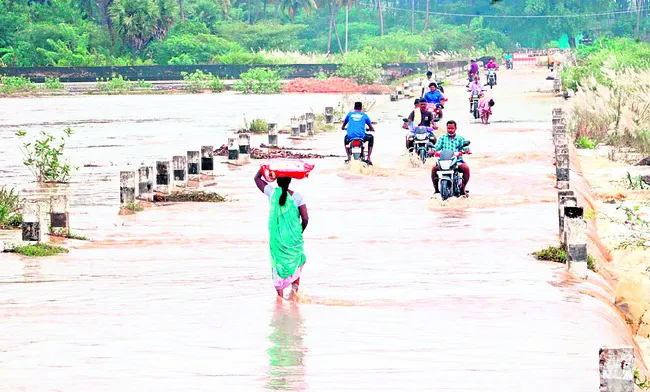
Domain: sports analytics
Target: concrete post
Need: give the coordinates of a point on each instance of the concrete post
(616, 368)
(557, 113)
(179, 164)
(193, 165)
(33, 222)
(562, 170)
(407, 90)
(273, 134)
(295, 127)
(145, 183)
(309, 117)
(575, 227)
(207, 160)
(244, 143)
(59, 217)
(565, 198)
(303, 125)
(233, 149)
(127, 187)
(329, 113)
(393, 97)
(163, 180)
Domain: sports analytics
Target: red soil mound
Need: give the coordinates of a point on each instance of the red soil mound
(332, 85)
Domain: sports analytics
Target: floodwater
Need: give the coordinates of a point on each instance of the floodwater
(400, 291)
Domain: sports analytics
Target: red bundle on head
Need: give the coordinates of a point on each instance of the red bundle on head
(293, 168)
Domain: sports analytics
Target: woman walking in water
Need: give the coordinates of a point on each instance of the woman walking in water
(288, 219)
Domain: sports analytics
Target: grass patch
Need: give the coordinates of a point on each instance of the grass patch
(557, 254)
(10, 216)
(132, 206)
(198, 196)
(39, 250)
(259, 125)
(583, 142)
(552, 253)
(70, 235)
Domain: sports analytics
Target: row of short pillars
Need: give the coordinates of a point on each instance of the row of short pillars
(165, 175)
(36, 219)
(305, 124)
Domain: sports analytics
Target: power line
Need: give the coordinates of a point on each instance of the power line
(609, 13)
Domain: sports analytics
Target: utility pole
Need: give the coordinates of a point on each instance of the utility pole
(347, 7)
(638, 18)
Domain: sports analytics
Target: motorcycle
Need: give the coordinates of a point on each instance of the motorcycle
(357, 149)
(450, 182)
(436, 109)
(475, 111)
(509, 64)
(491, 77)
(420, 137)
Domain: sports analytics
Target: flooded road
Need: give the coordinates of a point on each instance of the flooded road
(400, 291)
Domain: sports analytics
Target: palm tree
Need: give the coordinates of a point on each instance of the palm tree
(139, 22)
(426, 17)
(292, 6)
(412, 16)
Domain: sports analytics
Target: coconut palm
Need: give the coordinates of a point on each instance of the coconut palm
(139, 22)
(292, 6)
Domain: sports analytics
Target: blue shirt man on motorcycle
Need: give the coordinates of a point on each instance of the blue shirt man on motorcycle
(451, 141)
(356, 122)
(426, 119)
(434, 95)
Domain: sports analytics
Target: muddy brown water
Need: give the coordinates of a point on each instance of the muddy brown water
(400, 291)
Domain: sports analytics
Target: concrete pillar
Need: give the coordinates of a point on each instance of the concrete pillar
(59, 217)
(33, 223)
(393, 97)
(557, 113)
(244, 144)
(616, 368)
(302, 125)
(565, 198)
(329, 113)
(295, 127)
(407, 90)
(575, 227)
(179, 164)
(273, 134)
(127, 187)
(193, 165)
(233, 149)
(310, 118)
(207, 160)
(145, 183)
(562, 170)
(163, 178)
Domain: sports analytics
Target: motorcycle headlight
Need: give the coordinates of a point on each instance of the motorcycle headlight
(444, 165)
(421, 136)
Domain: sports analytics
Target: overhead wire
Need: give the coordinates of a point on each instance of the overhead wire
(608, 13)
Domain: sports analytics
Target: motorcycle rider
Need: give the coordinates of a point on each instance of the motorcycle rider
(434, 96)
(451, 141)
(475, 88)
(425, 119)
(473, 71)
(429, 80)
(509, 58)
(492, 65)
(356, 122)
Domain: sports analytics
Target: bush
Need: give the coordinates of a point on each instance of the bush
(43, 158)
(13, 84)
(116, 84)
(557, 254)
(199, 81)
(9, 208)
(259, 125)
(359, 67)
(53, 84)
(584, 142)
(258, 81)
(39, 250)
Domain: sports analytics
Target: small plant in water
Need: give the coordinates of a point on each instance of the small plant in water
(43, 157)
(557, 254)
(10, 216)
(643, 384)
(636, 182)
(53, 84)
(132, 206)
(584, 142)
(39, 250)
(259, 125)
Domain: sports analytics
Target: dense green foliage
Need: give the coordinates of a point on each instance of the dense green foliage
(9, 208)
(133, 32)
(618, 54)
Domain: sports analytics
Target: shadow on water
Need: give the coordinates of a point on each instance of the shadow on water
(286, 356)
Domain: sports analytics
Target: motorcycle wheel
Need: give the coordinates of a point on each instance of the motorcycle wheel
(423, 155)
(476, 115)
(445, 190)
(356, 156)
